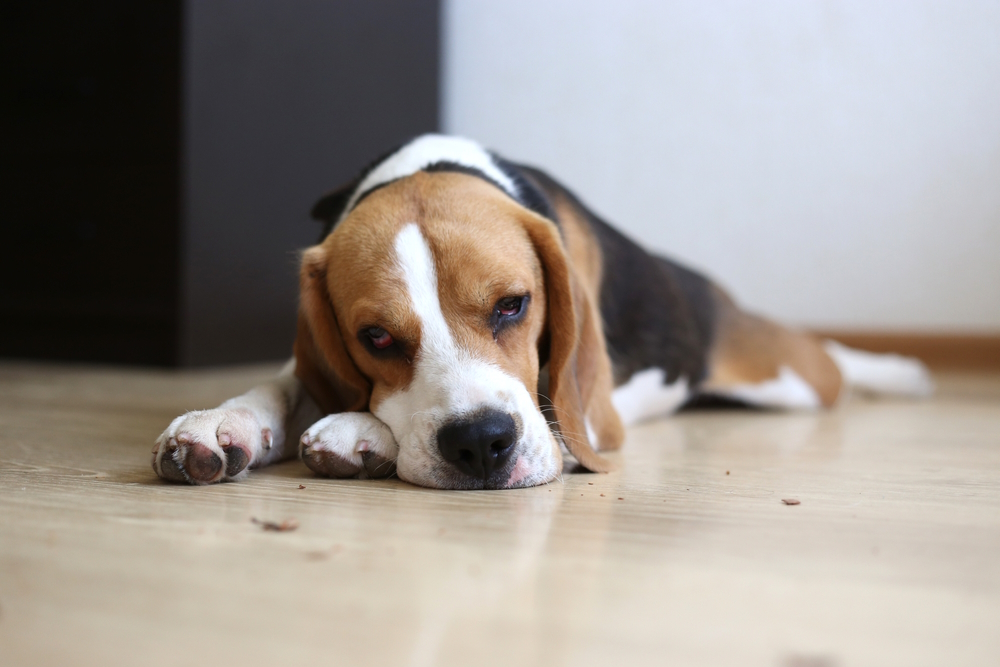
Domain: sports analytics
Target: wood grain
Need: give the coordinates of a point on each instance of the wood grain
(685, 556)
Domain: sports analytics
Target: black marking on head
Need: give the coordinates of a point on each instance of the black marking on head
(445, 165)
(328, 209)
(529, 194)
(331, 207)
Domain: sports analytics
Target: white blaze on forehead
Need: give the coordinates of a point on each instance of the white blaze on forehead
(424, 151)
(417, 268)
(449, 382)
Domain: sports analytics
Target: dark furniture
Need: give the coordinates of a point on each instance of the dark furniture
(160, 158)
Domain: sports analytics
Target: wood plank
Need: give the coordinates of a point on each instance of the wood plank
(684, 556)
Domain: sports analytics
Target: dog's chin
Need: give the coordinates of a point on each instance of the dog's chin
(515, 474)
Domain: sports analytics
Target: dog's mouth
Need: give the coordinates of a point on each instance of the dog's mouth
(481, 450)
(515, 473)
(503, 442)
(500, 478)
(523, 464)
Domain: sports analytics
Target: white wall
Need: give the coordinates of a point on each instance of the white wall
(832, 163)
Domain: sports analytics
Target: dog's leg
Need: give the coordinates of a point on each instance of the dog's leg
(647, 395)
(881, 373)
(256, 429)
(760, 363)
(350, 444)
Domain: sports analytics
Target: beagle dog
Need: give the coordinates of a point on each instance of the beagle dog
(465, 320)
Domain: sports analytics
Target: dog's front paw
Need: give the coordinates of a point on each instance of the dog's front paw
(209, 446)
(349, 444)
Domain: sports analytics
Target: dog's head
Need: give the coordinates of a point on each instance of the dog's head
(434, 303)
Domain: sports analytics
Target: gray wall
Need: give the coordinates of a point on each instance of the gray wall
(835, 164)
(283, 101)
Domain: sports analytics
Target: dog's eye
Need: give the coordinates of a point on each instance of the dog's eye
(509, 306)
(508, 312)
(380, 337)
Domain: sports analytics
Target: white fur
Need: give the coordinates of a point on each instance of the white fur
(202, 427)
(425, 151)
(591, 433)
(259, 419)
(348, 435)
(448, 383)
(788, 390)
(881, 373)
(645, 396)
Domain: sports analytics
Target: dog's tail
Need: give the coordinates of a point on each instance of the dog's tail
(881, 373)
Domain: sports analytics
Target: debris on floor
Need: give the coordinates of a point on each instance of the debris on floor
(284, 526)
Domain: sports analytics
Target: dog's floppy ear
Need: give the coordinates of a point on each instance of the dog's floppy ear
(579, 371)
(322, 362)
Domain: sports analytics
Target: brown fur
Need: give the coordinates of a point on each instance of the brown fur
(485, 247)
(584, 254)
(322, 361)
(749, 350)
(579, 370)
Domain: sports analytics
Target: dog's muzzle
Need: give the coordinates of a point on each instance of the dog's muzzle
(479, 444)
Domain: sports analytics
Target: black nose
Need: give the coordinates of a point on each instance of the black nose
(479, 444)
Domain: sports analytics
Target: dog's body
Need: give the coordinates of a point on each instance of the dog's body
(464, 317)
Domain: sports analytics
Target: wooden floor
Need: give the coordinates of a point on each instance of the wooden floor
(686, 557)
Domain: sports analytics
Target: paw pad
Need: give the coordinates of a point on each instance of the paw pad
(207, 446)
